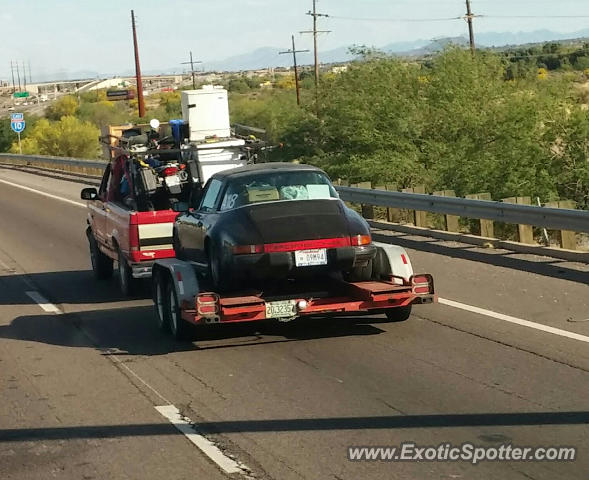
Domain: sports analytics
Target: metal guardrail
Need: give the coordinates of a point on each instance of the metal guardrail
(42, 159)
(552, 218)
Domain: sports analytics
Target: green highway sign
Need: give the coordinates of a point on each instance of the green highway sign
(20, 94)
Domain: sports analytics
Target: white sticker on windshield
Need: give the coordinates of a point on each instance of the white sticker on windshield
(318, 192)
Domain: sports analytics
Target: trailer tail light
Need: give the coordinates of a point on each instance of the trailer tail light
(422, 284)
(207, 304)
(359, 240)
(247, 249)
(170, 171)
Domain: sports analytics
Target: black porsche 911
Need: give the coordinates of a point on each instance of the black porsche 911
(270, 222)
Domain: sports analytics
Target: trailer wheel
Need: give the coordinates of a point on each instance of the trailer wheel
(159, 302)
(178, 325)
(102, 266)
(399, 314)
(127, 283)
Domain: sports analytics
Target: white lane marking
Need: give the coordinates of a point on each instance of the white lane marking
(45, 194)
(43, 302)
(207, 447)
(515, 320)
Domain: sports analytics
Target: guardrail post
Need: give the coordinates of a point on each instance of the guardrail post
(452, 224)
(393, 214)
(568, 239)
(487, 226)
(419, 218)
(526, 232)
(367, 210)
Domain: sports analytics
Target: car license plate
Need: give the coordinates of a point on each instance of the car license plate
(309, 258)
(282, 309)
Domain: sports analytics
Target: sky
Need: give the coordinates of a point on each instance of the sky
(83, 35)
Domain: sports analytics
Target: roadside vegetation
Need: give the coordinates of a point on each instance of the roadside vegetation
(511, 123)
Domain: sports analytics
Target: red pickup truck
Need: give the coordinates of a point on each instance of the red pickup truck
(131, 216)
(117, 231)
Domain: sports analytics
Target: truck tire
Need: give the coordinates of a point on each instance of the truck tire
(159, 302)
(102, 265)
(178, 325)
(399, 314)
(127, 283)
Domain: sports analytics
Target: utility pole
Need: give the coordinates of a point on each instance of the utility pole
(140, 99)
(12, 72)
(191, 63)
(315, 32)
(18, 75)
(24, 72)
(469, 18)
(30, 77)
(294, 52)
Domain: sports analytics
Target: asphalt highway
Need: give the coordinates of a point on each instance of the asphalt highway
(504, 359)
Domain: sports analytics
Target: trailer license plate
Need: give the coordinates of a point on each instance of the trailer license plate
(282, 309)
(309, 258)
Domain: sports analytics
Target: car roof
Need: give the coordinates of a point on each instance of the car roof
(265, 168)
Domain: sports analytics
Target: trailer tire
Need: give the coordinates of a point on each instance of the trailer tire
(178, 325)
(102, 265)
(399, 314)
(127, 283)
(159, 302)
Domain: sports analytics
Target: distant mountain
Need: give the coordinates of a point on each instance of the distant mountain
(269, 57)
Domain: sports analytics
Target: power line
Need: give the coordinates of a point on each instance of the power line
(363, 19)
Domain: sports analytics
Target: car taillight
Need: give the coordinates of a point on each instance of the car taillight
(134, 237)
(247, 249)
(170, 171)
(422, 284)
(359, 240)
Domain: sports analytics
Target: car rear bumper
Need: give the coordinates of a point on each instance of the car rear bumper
(279, 264)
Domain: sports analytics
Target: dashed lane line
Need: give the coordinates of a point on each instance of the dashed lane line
(43, 302)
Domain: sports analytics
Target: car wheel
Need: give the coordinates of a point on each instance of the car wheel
(159, 302)
(127, 283)
(361, 274)
(178, 325)
(102, 266)
(399, 314)
(220, 282)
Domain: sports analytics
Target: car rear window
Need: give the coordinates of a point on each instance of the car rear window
(277, 186)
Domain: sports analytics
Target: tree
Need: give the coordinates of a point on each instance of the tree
(63, 107)
(68, 137)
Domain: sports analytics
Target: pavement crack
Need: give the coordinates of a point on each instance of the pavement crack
(199, 380)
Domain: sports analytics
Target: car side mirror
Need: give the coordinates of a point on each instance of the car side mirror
(89, 194)
(180, 207)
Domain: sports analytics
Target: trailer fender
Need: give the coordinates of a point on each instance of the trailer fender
(392, 260)
(182, 274)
